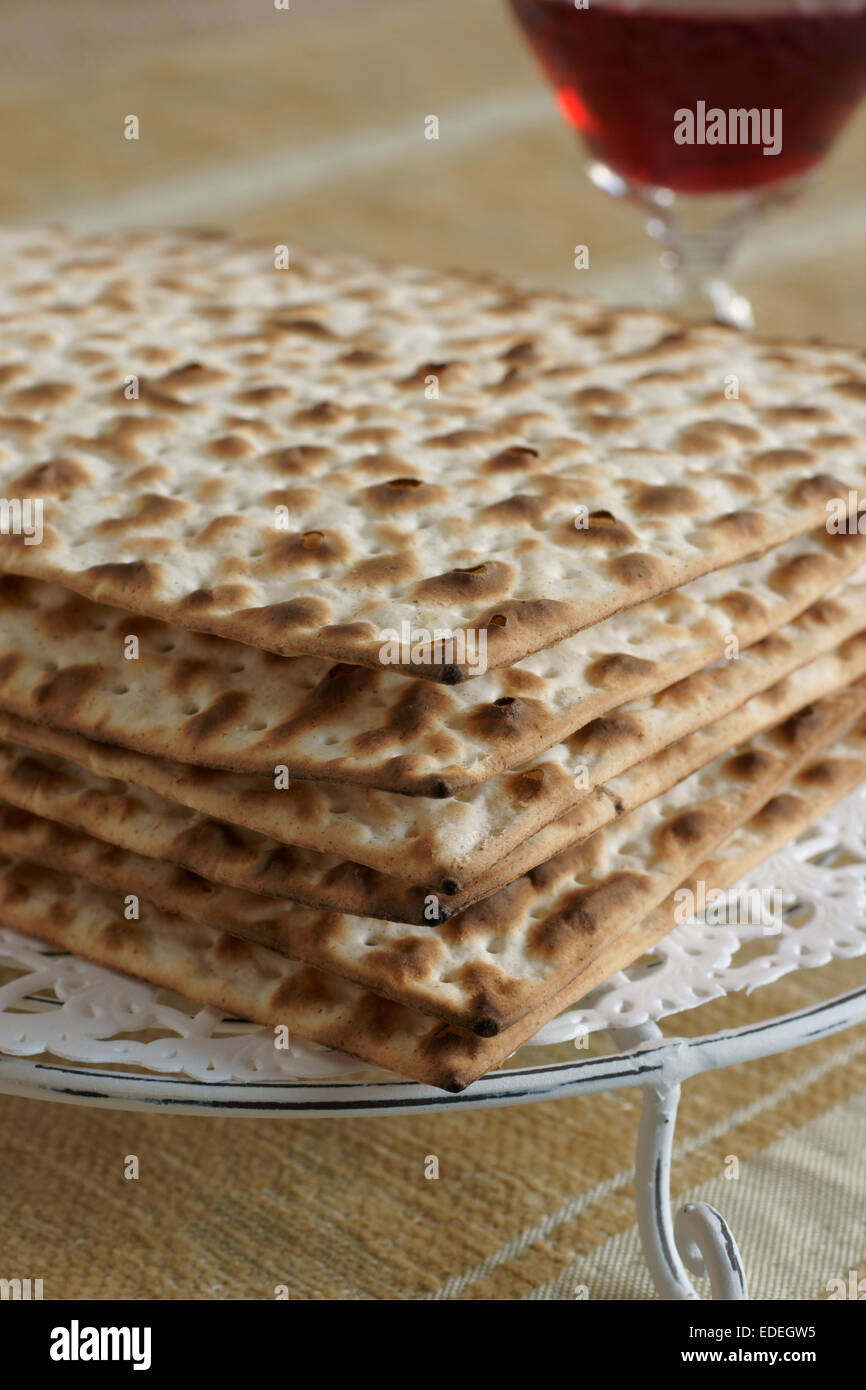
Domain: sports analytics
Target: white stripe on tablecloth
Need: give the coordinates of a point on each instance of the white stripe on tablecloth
(221, 189)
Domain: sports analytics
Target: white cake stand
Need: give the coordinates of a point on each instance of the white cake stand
(73, 1032)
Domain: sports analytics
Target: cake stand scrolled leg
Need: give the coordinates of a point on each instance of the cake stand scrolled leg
(699, 1239)
(703, 1238)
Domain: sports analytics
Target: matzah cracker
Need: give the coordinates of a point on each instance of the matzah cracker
(808, 796)
(430, 438)
(253, 982)
(444, 846)
(495, 962)
(134, 819)
(200, 700)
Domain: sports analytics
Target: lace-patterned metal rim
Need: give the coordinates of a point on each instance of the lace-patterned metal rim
(103, 1038)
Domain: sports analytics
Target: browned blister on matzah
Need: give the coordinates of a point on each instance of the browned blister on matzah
(305, 459)
(109, 675)
(495, 962)
(446, 846)
(257, 983)
(133, 818)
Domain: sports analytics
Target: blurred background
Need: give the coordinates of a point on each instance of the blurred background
(306, 126)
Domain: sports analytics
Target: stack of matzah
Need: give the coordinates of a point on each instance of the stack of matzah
(398, 642)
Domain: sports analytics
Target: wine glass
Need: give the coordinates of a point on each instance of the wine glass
(705, 113)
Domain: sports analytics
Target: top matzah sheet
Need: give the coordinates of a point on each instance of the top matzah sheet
(215, 703)
(306, 459)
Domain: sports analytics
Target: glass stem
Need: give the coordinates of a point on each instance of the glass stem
(699, 235)
(695, 261)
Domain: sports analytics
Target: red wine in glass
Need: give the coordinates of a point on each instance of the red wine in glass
(622, 72)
